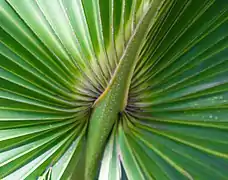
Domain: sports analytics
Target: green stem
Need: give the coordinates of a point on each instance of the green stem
(114, 98)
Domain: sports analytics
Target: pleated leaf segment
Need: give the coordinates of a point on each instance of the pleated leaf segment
(113, 89)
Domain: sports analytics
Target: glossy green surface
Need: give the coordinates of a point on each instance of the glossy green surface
(114, 89)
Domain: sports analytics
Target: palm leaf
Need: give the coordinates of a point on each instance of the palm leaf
(114, 89)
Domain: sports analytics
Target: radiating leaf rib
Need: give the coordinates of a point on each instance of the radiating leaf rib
(129, 161)
(80, 85)
(29, 172)
(31, 43)
(110, 165)
(46, 33)
(185, 162)
(196, 24)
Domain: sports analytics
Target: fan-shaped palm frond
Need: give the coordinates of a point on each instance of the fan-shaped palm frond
(114, 89)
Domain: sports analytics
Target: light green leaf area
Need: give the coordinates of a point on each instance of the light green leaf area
(114, 89)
